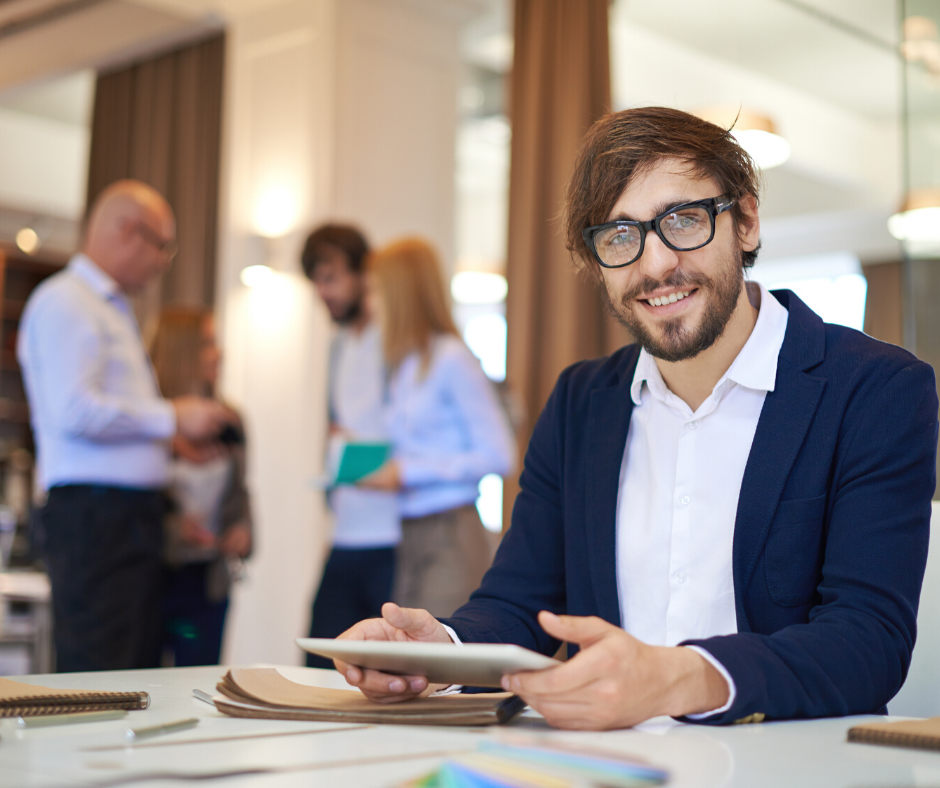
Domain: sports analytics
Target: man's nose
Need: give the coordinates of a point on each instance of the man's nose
(657, 260)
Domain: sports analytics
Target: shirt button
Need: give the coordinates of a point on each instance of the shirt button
(680, 577)
(693, 425)
(684, 500)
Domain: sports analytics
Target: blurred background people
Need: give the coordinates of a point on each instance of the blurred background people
(102, 434)
(357, 579)
(447, 426)
(209, 526)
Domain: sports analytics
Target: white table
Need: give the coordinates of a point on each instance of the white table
(804, 754)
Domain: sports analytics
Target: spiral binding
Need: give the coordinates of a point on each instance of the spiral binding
(41, 705)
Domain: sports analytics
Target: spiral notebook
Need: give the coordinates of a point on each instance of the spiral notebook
(31, 700)
(920, 734)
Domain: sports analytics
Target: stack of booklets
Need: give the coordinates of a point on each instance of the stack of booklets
(555, 765)
(920, 734)
(31, 700)
(266, 693)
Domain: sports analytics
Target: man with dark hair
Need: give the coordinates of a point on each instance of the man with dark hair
(728, 520)
(358, 575)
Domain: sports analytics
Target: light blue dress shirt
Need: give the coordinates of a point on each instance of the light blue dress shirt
(448, 429)
(96, 410)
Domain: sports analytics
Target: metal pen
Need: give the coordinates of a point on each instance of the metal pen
(69, 719)
(133, 734)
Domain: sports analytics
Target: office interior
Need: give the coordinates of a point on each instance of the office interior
(395, 114)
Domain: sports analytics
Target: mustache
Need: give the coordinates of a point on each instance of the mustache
(678, 279)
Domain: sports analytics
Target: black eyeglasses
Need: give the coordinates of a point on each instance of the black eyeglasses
(683, 228)
(169, 248)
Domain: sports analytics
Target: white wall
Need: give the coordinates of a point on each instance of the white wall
(334, 108)
(44, 164)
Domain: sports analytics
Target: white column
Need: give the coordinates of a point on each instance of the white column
(335, 109)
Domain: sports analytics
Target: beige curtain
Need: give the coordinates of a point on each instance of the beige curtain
(560, 86)
(159, 121)
(884, 307)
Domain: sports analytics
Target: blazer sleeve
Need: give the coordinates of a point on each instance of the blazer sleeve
(528, 572)
(852, 655)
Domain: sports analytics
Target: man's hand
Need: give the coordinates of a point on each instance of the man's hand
(197, 452)
(397, 623)
(615, 680)
(193, 533)
(386, 478)
(236, 540)
(198, 418)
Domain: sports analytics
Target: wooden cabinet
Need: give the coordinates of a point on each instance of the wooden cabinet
(19, 276)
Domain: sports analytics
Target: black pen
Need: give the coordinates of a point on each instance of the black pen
(509, 708)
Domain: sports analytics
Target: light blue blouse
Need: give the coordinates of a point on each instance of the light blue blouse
(448, 429)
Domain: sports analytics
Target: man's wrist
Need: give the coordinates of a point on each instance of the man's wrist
(696, 686)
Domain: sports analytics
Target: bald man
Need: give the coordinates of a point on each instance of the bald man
(102, 433)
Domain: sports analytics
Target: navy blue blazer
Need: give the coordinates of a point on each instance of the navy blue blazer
(830, 536)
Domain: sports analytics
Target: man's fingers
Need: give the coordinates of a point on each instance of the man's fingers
(415, 623)
(582, 630)
(385, 688)
(570, 678)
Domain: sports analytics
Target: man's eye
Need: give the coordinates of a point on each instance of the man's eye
(681, 222)
(626, 237)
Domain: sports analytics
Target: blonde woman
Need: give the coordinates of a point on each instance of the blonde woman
(209, 529)
(448, 431)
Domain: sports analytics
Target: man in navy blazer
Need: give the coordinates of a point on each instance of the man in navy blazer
(727, 521)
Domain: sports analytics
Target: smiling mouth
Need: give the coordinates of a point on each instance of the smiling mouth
(668, 299)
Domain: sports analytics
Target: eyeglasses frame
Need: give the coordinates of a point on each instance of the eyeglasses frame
(714, 205)
(168, 248)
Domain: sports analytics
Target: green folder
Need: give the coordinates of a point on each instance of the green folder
(359, 460)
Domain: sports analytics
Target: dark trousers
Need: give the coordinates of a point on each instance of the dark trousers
(102, 550)
(355, 585)
(192, 623)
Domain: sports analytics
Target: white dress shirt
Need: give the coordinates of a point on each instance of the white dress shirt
(363, 518)
(679, 485)
(95, 406)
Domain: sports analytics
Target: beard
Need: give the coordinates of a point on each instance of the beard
(348, 313)
(678, 341)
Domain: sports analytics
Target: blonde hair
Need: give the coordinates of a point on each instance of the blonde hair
(407, 274)
(175, 351)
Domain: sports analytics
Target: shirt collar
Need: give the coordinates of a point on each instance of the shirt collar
(88, 271)
(755, 366)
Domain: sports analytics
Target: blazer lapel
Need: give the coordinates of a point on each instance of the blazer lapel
(608, 421)
(784, 420)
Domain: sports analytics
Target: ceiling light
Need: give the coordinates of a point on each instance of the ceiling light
(921, 42)
(757, 134)
(27, 239)
(919, 217)
(478, 287)
(275, 212)
(256, 275)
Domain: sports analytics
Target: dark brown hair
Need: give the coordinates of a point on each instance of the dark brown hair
(344, 237)
(622, 145)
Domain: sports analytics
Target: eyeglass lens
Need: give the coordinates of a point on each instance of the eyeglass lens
(686, 228)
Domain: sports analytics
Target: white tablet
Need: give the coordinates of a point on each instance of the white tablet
(471, 664)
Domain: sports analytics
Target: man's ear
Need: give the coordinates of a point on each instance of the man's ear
(748, 228)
